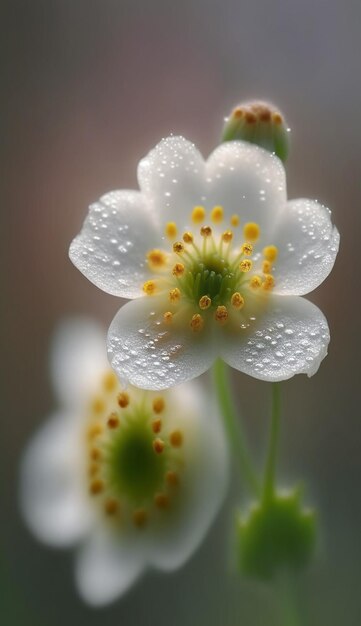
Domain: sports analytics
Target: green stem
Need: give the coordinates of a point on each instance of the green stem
(235, 435)
(290, 605)
(270, 470)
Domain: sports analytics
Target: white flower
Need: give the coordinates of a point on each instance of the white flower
(135, 477)
(220, 258)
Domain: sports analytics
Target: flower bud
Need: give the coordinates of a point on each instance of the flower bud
(259, 123)
(277, 534)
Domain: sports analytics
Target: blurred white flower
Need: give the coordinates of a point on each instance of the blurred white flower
(134, 477)
(221, 258)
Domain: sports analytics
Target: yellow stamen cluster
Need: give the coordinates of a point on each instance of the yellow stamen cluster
(235, 220)
(227, 236)
(188, 237)
(171, 230)
(167, 317)
(198, 214)
(174, 295)
(205, 302)
(156, 259)
(245, 265)
(123, 399)
(217, 214)
(158, 405)
(237, 301)
(221, 314)
(206, 231)
(149, 287)
(197, 322)
(178, 269)
(178, 247)
(251, 231)
(270, 253)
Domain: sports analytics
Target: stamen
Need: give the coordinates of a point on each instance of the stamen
(247, 248)
(245, 265)
(95, 454)
(96, 486)
(269, 282)
(94, 469)
(109, 381)
(156, 259)
(217, 214)
(157, 426)
(174, 295)
(205, 302)
(178, 247)
(111, 506)
(188, 237)
(140, 518)
(158, 405)
(149, 287)
(172, 478)
(171, 230)
(270, 253)
(98, 405)
(198, 214)
(235, 220)
(266, 267)
(94, 431)
(176, 438)
(123, 399)
(237, 300)
(255, 282)
(113, 421)
(277, 118)
(178, 269)
(161, 500)
(197, 323)
(158, 445)
(251, 231)
(168, 316)
(206, 231)
(221, 314)
(227, 236)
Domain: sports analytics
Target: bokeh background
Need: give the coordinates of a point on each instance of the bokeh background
(88, 88)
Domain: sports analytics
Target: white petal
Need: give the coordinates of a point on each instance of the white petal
(151, 355)
(307, 247)
(204, 481)
(290, 338)
(248, 181)
(105, 569)
(51, 490)
(112, 245)
(172, 177)
(78, 360)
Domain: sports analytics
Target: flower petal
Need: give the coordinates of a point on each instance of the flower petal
(111, 247)
(204, 480)
(290, 338)
(248, 181)
(151, 355)
(51, 493)
(106, 568)
(172, 177)
(307, 246)
(78, 360)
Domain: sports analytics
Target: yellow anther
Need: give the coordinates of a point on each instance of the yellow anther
(255, 282)
(268, 282)
(157, 425)
(156, 259)
(237, 300)
(188, 237)
(171, 230)
(266, 267)
(98, 406)
(174, 295)
(277, 118)
(158, 405)
(198, 214)
(250, 117)
(197, 323)
(161, 500)
(178, 269)
(178, 247)
(235, 220)
(205, 302)
(251, 231)
(96, 486)
(168, 316)
(270, 253)
(238, 112)
(172, 478)
(93, 469)
(158, 445)
(245, 265)
(94, 431)
(113, 421)
(247, 248)
(217, 214)
(109, 381)
(221, 314)
(140, 518)
(227, 236)
(123, 399)
(176, 438)
(149, 287)
(111, 506)
(95, 454)
(206, 231)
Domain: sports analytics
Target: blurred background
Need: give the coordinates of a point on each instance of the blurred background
(88, 88)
